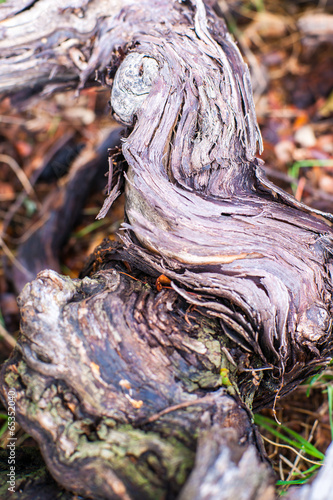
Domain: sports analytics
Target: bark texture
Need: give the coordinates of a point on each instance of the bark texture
(116, 383)
(121, 379)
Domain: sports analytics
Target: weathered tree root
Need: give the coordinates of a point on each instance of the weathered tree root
(120, 382)
(116, 382)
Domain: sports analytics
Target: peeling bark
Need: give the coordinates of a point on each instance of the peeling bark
(127, 387)
(116, 383)
(197, 199)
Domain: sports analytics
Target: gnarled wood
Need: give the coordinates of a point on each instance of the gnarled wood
(117, 381)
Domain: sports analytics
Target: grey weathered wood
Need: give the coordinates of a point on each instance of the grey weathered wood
(119, 381)
(197, 198)
(115, 382)
(46, 47)
(223, 470)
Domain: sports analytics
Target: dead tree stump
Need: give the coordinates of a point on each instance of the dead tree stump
(218, 301)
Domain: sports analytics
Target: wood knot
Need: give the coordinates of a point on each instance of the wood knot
(132, 85)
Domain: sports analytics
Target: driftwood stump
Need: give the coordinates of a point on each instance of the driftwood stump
(219, 299)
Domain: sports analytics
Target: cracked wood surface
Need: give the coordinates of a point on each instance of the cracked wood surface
(118, 382)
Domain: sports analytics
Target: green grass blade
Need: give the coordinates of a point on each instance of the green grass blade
(311, 382)
(293, 170)
(298, 442)
(4, 426)
(308, 447)
(90, 228)
(280, 482)
(330, 407)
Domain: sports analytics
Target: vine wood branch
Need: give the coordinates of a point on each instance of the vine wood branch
(119, 382)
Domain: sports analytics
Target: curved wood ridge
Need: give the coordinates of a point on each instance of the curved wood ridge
(116, 383)
(127, 386)
(196, 197)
